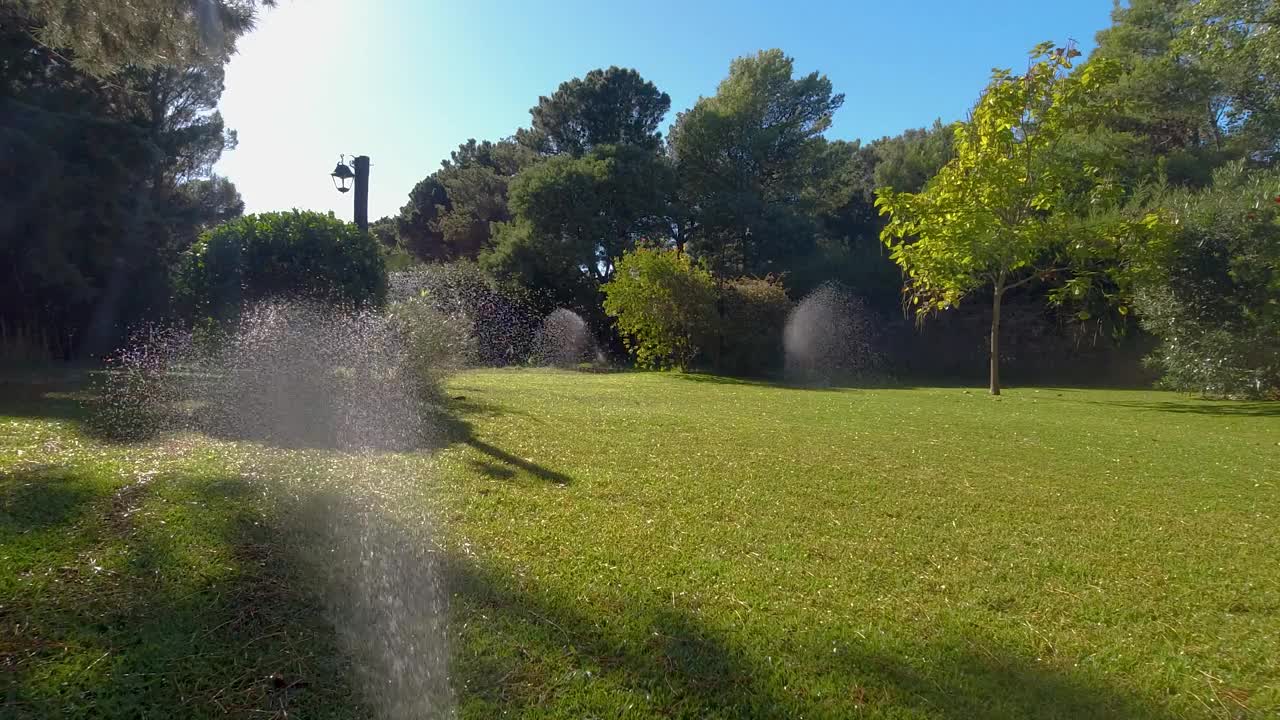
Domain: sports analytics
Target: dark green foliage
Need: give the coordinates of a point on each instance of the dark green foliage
(1238, 40)
(573, 216)
(71, 232)
(449, 213)
(384, 231)
(552, 226)
(1200, 84)
(178, 106)
(518, 257)
(753, 312)
(1212, 293)
(106, 35)
(846, 248)
(417, 226)
(607, 107)
(1171, 107)
(394, 256)
(292, 254)
(209, 201)
(116, 181)
(745, 159)
(907, 161)
(476, 180)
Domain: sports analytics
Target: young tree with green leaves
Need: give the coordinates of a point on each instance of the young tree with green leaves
(665, 306)
(1003, 212)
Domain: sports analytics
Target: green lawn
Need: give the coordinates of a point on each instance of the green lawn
(655, 545)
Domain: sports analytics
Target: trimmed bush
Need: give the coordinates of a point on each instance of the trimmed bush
(437, 343)
(753, 312)
(292, 255)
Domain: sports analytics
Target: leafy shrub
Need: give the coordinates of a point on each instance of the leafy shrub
(1204, 355)
(1211, 292)
(502, 320)
(664, 306)
(292, 254)
(753, 312)
(437, 343)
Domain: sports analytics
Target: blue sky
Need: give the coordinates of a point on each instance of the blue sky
(406, 81)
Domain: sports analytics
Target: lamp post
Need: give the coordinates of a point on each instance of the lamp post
(358, 171)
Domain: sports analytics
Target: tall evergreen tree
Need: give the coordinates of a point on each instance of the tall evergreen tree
(745, 158)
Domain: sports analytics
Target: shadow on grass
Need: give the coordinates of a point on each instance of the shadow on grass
(975, 385)
(1220, 408)
(42, 398)
(492, 470)
(521, 649)
(315, 423)
(41, 496)
(708, 379)
(161, 630)
(829, 385)
(511, 461)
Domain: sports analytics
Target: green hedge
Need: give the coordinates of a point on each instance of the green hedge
(292, 254)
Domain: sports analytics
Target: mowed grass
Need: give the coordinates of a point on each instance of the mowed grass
(651, 545)
(658, 545)
(146, 581)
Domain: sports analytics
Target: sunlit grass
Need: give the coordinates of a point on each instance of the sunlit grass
(654, 545)
(713, 549)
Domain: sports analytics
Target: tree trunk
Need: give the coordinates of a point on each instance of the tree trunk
(995, 337)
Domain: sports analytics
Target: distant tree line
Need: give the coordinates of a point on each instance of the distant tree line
(1122, 152)
(1087, 211)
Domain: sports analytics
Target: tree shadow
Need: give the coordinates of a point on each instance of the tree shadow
(977, 677)
(888, 382)
(710, 379)
(511, 461)
(777, 383)
(492, 470)
(50, 399)
(1221, 408)
(41, 496)
(161, 632)
(523, 648)
(833, 384)
(679, 665)
(314, 423)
